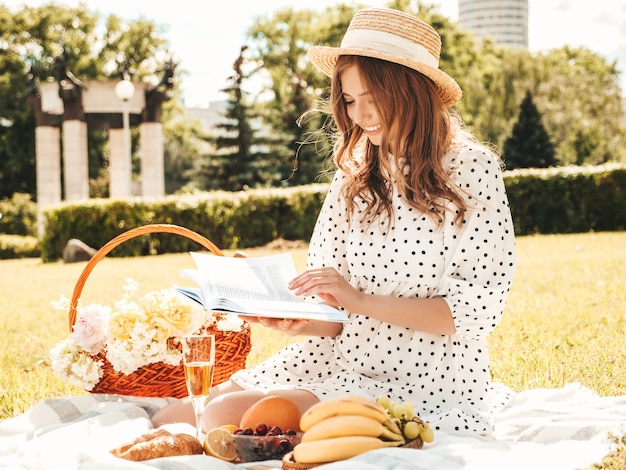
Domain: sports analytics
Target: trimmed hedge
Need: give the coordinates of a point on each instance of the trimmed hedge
(229, 219)
(568, 199)
(554, 200)
(19, 246)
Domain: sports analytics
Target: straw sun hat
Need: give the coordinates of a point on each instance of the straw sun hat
(393, 36)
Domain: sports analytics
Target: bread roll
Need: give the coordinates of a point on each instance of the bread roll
(157, 444)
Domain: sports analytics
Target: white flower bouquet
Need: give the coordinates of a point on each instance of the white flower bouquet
(132, 334)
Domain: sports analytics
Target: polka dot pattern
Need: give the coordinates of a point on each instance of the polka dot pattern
(471, 267)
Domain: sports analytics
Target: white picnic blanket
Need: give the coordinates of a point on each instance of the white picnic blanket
(566, 428)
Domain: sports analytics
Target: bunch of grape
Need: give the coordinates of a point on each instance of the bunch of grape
(263, 442)
(263, 429)
(403, 414)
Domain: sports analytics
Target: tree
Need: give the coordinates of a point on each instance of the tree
(529, 145)
(294, 88)
(17, 151)
(580, 100)
(183, 142)
(575, 90)
(240, 160)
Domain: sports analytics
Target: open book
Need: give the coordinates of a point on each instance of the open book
(252, 286)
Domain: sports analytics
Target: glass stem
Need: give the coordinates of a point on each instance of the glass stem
(198, 406)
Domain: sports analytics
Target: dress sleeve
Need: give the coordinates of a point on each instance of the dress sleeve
(480, 254)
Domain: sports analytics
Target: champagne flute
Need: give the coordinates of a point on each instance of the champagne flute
(199, 361)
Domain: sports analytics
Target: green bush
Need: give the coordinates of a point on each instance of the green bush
(568, 199)
(228, 219)
(19, 246)
(18, 215)
(548, 201)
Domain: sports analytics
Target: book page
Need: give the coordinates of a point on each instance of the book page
(271, 309)
(263, 278)
(252, 286)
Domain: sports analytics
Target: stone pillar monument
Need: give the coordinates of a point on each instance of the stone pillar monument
(63, 112)
(74, 134)
(48, 165)
(119, 171)
(75, 163)
(47, 145)
(151, 133)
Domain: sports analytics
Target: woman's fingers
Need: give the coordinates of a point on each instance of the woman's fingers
(311, 274)
(315, 281)
(327, 284)
(280, 324)
(294, 326)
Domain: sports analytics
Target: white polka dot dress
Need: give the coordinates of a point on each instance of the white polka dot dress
(471, 267)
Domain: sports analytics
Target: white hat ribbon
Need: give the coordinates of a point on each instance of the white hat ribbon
(388, 43)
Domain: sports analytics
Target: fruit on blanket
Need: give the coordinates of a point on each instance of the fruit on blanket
(350, 425)
(347, 405)
(427, 433)
(229, 427)
(343, 427)
(254, 447)
(411, 430)
(219, 443)
(337, 448)
(346, 426)
(273, 411)
(403, 414)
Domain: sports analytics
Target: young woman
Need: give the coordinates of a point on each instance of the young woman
(414, 240)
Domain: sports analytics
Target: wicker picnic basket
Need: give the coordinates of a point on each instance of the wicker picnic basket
(159, 379)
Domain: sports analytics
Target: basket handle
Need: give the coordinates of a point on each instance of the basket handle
(132, 233)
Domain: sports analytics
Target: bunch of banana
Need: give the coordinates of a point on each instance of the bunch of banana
(343, 427)
(404, 417)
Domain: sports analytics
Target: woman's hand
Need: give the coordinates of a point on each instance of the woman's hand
(328, 285)
(284, 325)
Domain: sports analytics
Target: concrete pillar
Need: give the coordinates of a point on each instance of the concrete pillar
(120, 174)
(152, 166)
(75, 160)
(48, 167)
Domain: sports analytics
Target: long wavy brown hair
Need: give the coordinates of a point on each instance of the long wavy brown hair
(418, 130)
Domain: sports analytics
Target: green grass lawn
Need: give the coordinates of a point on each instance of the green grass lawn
(565, 320)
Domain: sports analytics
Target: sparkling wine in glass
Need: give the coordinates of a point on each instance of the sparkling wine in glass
(199, 361)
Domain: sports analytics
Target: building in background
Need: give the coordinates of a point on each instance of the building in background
(505, 21)
(209, 116)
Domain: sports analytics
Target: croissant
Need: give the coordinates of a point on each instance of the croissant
(157, 444)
